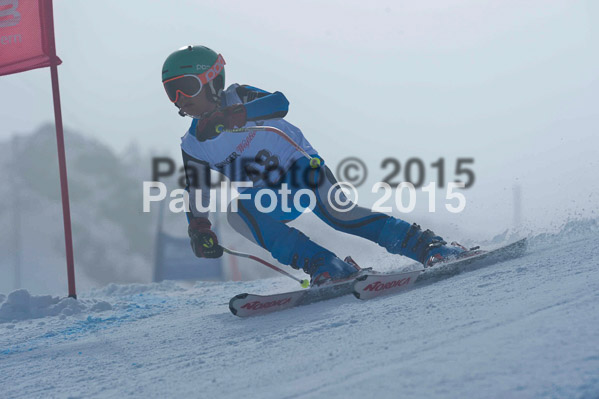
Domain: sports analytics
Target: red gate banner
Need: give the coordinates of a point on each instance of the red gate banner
(26, 35)
(27, 42)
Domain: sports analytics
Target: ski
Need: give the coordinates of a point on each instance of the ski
(245, 305)
(487, 258)
(371, 285)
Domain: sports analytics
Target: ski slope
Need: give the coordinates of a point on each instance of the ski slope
(527, 328)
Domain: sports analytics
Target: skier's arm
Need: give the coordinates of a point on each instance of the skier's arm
(197, 182)
(203, 240)
(261, 105)
(256, 105)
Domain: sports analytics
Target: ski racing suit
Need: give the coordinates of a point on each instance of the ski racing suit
(268, 160)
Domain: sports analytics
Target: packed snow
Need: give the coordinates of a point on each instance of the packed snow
(20, 305)
(523, 328)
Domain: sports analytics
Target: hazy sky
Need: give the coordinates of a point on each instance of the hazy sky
(513, 84)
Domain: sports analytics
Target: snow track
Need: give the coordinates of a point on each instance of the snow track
(520, 329)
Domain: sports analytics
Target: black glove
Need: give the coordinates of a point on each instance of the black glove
(226, 118)
(203, 240)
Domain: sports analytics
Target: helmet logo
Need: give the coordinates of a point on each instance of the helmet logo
(200, 67)
(215, 69)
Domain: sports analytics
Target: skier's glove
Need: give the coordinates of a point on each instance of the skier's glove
(203, 240)
(226, 118)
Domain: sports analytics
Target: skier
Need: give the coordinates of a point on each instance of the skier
(194, 80)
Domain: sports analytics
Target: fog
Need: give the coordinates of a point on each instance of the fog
(510, 84)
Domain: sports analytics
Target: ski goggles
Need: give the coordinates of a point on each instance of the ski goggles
(190, 85)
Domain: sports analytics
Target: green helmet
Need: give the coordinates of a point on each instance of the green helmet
(195, 60)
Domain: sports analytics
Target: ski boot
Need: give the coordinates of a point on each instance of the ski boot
(328, 268)
(447, 253)
(401, 238)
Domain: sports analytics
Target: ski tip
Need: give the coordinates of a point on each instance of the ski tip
(359, 278)
(238, 296)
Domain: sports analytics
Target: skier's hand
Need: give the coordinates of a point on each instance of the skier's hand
(226, 118)
(203, 240)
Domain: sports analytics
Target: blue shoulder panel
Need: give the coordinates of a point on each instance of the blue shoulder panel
(252, 88)
(267, 107)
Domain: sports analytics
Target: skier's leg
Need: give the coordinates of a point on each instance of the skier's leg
(393, 234)
(286, 244)
(358, 221)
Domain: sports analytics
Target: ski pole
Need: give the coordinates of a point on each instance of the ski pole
(304, 283)
(314, 162)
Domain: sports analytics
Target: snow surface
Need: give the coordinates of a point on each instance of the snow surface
(524, 328)
(20, 305)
